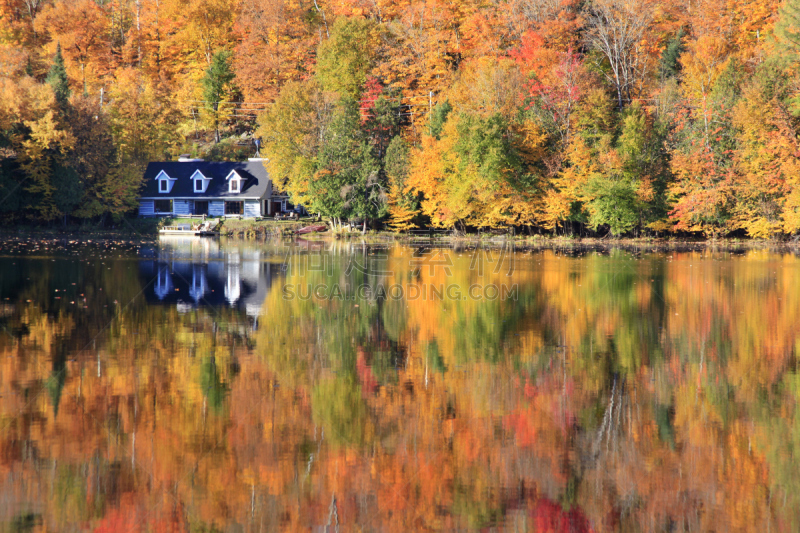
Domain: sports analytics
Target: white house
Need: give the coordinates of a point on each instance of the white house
(197, 187)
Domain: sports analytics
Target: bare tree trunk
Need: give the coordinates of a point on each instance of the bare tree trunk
(216, 123)
(617, 29)
(324, 19)
(33, 8)
(138, 32)
(158, 42)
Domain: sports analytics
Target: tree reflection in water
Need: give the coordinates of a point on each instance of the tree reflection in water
(176, 386)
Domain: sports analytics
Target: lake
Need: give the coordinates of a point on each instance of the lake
(193, 384)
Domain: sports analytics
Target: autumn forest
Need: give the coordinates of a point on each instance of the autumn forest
(620, 117)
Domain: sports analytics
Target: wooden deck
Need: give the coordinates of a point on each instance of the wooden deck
(204, 230)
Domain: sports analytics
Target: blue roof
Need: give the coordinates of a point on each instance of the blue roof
(254, 173)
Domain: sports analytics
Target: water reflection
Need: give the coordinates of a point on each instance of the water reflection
(603, 391)
(188, 272)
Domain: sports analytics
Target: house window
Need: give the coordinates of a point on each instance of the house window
(198, 185)
(234, 208)
(162, 206)
(234, 185)
(201, 207)
(163, 186)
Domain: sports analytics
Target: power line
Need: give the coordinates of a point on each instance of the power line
(251, 110)
(223, 102)
(220, 102)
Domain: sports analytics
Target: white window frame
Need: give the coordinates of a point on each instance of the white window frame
(232, 177)
(200, 179)
(165, 183)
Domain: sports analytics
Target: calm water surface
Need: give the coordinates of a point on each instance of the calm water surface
(193, 385)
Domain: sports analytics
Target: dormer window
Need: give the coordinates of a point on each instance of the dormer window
(165, 183)
(235, 182)
(200, 181)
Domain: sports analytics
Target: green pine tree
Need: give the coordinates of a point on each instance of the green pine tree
(669, 65)
(218, 86)
(57, 78)
(439, 117)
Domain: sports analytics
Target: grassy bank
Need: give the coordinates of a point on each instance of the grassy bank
(244, 228)
(260, 228)
(554, 241)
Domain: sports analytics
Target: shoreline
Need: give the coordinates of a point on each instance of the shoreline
(255, 230)
(268, 230)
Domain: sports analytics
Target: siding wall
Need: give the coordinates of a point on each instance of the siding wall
(216, 208)
(252, 208)
(146, 208)
(181, 207)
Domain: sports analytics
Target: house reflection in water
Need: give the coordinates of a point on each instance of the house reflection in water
(191, 272)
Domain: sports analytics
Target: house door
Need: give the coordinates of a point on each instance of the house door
(201, 207)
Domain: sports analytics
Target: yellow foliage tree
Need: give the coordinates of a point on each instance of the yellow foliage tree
(766, 163)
